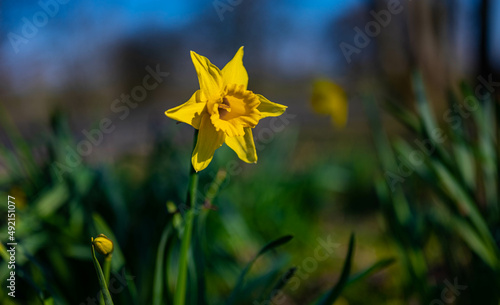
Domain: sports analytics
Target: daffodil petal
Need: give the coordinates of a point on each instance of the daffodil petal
(209, 76)
(234, 72)
(208, 141)
(190, 112)
(268, 108)
(244, 146)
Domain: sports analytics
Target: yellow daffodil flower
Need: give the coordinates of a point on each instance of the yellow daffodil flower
(329, 98)
(223, 110)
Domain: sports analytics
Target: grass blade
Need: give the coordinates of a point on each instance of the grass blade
(282, 282)
(373, 269)
(334, 293)
(270, 246)
(158, 285)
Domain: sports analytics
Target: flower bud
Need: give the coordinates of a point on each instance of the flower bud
(103, 244)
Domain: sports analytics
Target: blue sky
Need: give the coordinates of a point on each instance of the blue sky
(77, 24)
(80, 23)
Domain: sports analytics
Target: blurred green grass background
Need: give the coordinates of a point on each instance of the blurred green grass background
(435, 213)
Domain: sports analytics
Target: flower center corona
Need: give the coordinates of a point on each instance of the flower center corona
(224, 108)
(235, 111)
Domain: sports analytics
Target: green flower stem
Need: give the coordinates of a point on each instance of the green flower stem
(189, 216)
(102, 281)
(107, 267)
(107, 271)
(180, 293)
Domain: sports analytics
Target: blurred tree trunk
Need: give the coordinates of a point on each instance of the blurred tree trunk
(484, 38)
(429, 28)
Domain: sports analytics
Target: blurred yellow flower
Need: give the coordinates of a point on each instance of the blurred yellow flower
(223, 110)
(103, 244)
(341, 301)
(20, 197)
(329, 98)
